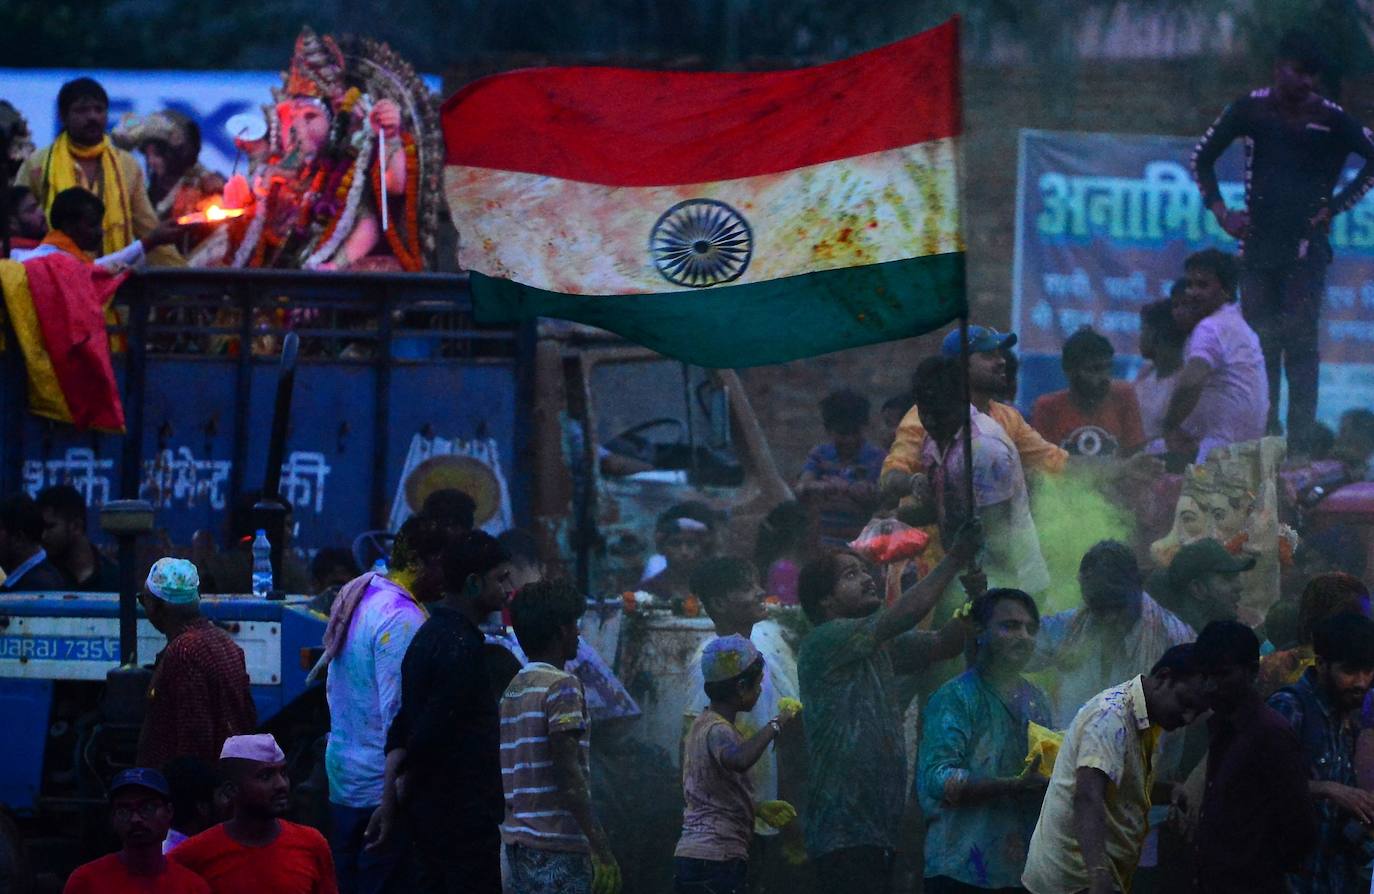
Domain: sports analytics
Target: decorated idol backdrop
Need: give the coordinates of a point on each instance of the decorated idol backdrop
(1103, 224)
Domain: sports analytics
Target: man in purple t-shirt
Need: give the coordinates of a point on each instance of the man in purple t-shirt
(1222, 396)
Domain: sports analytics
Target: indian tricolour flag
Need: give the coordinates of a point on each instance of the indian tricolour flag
(723, 218)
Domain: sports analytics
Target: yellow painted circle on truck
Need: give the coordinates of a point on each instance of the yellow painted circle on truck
(468, 474)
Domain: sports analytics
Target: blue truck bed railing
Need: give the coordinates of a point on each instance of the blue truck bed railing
(384, 357)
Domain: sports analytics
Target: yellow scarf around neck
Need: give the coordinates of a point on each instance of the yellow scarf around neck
(63, 173)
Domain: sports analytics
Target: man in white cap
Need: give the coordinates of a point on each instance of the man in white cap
(255, 849)
(199, 695)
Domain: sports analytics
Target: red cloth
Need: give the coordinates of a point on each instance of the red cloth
(69, 298)
(298, 862)
(109, 875)
(1058, 418)
(198, 697)
(633, 127)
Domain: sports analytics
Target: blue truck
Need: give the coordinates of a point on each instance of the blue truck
(397, 392)
(384, 362)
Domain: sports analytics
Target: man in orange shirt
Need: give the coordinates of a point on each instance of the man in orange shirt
(987, 379)
(257, 850)
(1095, 415)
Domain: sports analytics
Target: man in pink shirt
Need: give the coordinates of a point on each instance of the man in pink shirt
(1222, 395)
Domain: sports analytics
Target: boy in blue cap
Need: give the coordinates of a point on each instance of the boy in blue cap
(141, 813)
(718, 823)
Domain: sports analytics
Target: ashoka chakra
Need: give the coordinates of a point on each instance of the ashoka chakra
(701, 242)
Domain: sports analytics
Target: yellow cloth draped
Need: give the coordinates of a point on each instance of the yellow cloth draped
(64, 173)
(45, 393)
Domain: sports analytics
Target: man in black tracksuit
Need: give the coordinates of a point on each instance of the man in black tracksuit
(1297, 143)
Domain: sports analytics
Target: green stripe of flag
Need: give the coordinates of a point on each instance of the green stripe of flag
(756, 323)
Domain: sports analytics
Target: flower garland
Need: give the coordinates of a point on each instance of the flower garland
(342, 225)
(341, 191)
(405, 247)
(249, 247)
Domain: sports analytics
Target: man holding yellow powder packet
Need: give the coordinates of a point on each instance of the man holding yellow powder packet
(980, 796)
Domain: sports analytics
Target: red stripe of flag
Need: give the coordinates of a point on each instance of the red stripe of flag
(629, 127)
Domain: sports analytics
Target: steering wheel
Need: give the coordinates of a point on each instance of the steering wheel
(632, 442)
(635, 433)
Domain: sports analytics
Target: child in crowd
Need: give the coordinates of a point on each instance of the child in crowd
(685, 536)
(554, 841)
(712, 855)
(840, 477)
(892, 412)
(785, 541)
(729, 591)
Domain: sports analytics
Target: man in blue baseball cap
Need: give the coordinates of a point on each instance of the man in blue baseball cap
(981, 339)
(141, 813)
(987, 371)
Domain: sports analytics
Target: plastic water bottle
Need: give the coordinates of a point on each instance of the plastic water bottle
(379, 567)
(262, 564)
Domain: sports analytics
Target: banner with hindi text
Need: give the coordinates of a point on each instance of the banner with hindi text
(1103, 224)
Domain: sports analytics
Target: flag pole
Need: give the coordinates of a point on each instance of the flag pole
(968, 417)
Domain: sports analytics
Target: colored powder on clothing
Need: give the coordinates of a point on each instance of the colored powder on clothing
(979, 865)
(1071, 514)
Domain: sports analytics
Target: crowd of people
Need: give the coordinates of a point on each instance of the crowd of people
(1063, 756)
(451, 769)
(934, 707)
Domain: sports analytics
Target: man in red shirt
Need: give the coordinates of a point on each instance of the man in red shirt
(141, 813)
(255, 849)
(1096, 415)
(199, 695)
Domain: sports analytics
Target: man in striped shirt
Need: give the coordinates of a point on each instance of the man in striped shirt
(554, 843)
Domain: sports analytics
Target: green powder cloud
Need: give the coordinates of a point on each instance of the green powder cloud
(1071, 514)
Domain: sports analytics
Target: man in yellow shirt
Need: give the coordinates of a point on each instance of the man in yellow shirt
(82, 155)
(1094, 818)
(987, 379)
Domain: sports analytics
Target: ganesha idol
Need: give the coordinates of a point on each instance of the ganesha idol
(1233, 498)
(344, 171)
